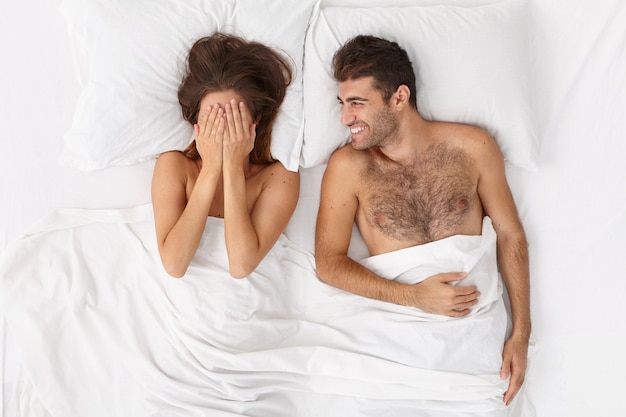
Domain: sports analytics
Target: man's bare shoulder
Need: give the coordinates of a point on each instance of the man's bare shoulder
(344, 168)
(457, 131)
(348, 157)
(473, 139)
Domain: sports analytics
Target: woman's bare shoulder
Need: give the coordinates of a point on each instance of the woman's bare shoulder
(175, 160)
(174, 167)
(174, 157)
(276, 171)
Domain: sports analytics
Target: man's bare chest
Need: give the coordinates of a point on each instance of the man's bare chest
(421, 203)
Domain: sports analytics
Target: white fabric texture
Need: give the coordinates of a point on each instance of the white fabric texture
(102, 330)
(130, 59)
(472, 66)
(578, 55)
(457, 253)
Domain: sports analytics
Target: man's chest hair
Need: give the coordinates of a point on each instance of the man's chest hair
(422, 201)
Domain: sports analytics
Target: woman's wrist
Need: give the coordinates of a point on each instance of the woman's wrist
(234, 167)
(209, 172)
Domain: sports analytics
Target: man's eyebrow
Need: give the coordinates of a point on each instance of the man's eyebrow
(352, 98)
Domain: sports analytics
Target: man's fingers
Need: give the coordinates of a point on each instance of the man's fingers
(514, 386)
(505, 369)
(510, 394)
(514, 361)
(459, 312)
(452, 276)
(463, 305)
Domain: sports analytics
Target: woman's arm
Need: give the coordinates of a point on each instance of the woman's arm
(180, 221)
(251, 233)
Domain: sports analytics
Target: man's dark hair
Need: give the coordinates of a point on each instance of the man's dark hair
(385, 61)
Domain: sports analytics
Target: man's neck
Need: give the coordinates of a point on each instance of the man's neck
(412, 139)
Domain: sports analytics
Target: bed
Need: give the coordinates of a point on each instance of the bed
(85, 111)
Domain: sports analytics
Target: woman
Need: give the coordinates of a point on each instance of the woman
(231, 94)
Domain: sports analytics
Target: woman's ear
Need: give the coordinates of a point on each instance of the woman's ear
(401, 96)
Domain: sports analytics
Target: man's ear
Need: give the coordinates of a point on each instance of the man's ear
(400, 98)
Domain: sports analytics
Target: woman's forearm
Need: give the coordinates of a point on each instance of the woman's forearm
(181, 242)
(242, 242)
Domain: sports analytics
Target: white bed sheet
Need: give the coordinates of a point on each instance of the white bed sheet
(573, 207)
(128, 340)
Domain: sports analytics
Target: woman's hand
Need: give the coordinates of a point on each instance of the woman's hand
(209, 134)
(239, 133)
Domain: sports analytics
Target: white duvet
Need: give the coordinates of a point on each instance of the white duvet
(102, 330)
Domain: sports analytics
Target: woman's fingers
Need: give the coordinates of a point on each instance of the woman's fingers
(207, 121)
(209, 134)
(230, 125)
(230, 121)
(239, 120)
(215, 120)
(245, 119)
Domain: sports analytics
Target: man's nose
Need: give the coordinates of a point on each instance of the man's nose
(347, 116)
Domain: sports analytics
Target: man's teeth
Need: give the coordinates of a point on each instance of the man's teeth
(357, 129)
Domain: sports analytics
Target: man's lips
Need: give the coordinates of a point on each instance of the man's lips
(355, 130)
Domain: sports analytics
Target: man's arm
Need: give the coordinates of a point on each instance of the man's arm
(498, 204)
(338, 206)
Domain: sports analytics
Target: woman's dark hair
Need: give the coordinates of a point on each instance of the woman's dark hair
(385, 61)
(259, 74)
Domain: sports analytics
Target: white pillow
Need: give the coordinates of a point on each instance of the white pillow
(472, 66)
(253, 21)
(130, 56)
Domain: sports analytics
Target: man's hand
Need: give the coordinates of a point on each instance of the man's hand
(514, 361)
(436, 295)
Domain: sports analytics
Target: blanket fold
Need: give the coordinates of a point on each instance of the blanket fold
(102, 330)
(476, 255)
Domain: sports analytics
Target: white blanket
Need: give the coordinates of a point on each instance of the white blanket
(103, 331)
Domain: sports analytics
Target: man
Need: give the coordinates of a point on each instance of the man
(407, 181)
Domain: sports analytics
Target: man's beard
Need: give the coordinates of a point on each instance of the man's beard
(382, 131)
